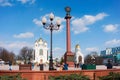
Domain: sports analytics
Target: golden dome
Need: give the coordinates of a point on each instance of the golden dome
(40, 39)
(77, 46)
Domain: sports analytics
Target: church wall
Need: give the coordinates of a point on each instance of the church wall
(78, 54)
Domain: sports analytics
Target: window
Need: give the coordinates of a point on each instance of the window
(41, 52)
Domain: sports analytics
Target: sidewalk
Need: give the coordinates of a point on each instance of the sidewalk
(46, 68)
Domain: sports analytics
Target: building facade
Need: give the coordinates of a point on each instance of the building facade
(40, 51)
(111, 53)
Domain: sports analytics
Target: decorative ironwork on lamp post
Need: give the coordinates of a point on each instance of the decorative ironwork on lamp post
(50, 26)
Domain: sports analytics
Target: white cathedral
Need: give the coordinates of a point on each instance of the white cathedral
(40, 51)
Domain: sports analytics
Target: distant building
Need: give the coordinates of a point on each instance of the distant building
(40, 51)
(110, 51)
(112, 54)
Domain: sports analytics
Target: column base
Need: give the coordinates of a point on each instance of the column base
(69, 58)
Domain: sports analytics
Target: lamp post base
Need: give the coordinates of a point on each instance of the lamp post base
(51, 64)
(51, 68)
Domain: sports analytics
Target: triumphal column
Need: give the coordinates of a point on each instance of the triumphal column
(68, 57)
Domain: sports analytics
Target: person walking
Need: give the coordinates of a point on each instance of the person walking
(109, 65)
(10, 65)
(41, 65)
(61, 67)
(65, 66)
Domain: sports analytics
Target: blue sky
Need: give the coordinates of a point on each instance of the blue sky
(95, 24)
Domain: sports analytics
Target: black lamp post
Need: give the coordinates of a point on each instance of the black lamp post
(50, 26)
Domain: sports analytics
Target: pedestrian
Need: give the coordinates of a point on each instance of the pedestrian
(32, 65)
(65, 66)
(75, 64)
(29, 62)
(10, 65)
(80, 64)
(61, 67)
(41, 65)
(109, 65)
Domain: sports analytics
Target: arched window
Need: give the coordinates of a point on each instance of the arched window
(41, 52)
(80, 58)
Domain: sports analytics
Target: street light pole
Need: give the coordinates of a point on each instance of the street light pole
(51, 27)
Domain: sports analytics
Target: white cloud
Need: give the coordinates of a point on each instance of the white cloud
(113, 42)
(57, 49)
(19, 44)
(41, 9)
(23, 1)
(33, 1)
(80, 24)
(15, 46)
(110, 28)
(24, 35)
(37, 22)
(5, 3)
(91, 49)
(60, 18)
(27, 1)
(9, 2)
(58, 52)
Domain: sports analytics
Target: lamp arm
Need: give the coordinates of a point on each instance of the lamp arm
(46, 26)
(55, 27)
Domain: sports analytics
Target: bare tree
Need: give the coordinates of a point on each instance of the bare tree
(25, 54)
(12, 57)
(93, 57)
(94, 53)
(88, 59)
(5, 55)
(99, 60)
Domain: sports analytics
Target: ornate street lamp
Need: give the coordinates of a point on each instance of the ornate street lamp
(50, 26)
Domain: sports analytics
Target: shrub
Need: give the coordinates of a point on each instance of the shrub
(111, 76)
(70, 77)
(11, 77)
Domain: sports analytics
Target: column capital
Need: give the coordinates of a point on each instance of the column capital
(68, 17)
